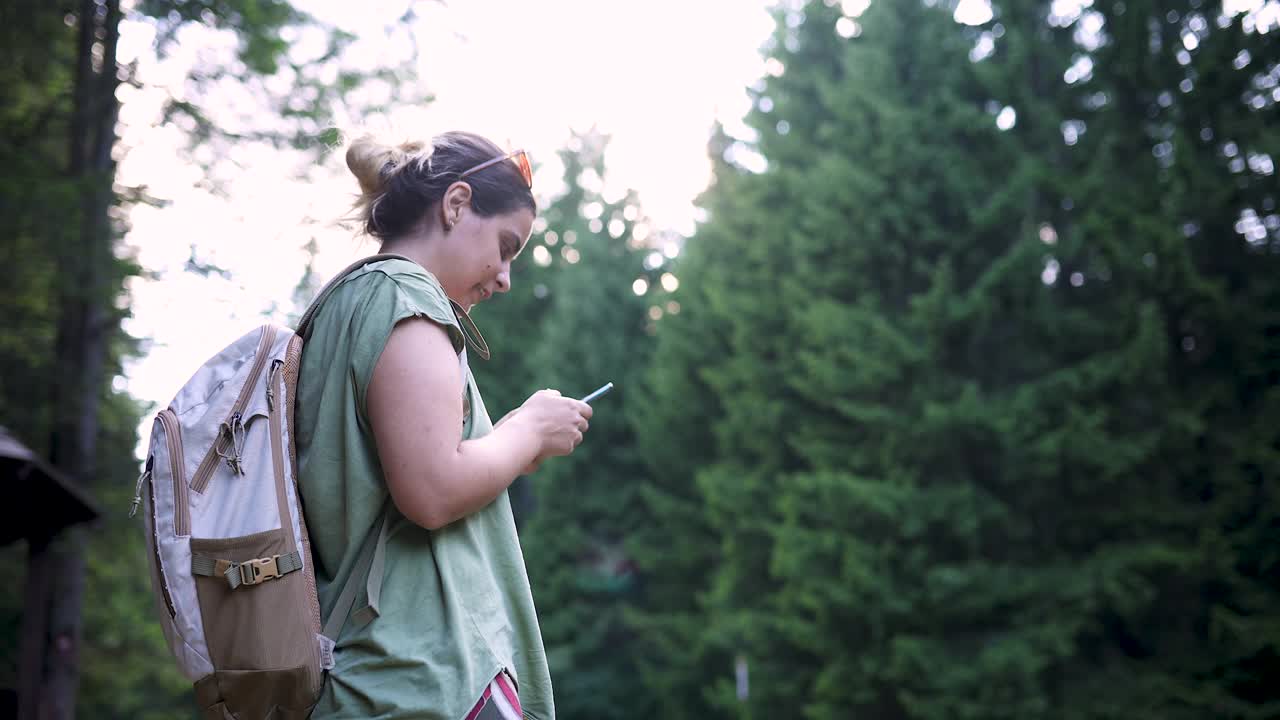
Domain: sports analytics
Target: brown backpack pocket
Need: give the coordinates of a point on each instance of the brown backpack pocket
(248, 588)
(255, 695)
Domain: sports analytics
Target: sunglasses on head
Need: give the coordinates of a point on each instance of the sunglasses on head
(521, 159)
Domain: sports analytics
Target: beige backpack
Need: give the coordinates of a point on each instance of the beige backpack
(230, 560)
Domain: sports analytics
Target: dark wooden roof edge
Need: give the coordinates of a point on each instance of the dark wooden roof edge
(11, 447)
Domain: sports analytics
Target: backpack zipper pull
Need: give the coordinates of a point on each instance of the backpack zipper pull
(234, 458)
(237, 444)
(271, 383)
(137, 490)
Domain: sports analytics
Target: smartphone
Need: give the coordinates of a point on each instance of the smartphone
(600, 391)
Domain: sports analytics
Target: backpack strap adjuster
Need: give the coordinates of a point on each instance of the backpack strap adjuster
(252, 572)
(249, 572)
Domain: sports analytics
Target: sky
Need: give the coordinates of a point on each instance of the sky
(652, 75)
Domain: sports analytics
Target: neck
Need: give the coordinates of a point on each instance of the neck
(417, 249)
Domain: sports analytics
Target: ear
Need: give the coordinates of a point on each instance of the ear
(457, 197)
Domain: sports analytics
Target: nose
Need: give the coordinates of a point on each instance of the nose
(504, 278)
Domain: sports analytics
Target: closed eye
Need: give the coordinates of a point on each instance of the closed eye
(510, 246)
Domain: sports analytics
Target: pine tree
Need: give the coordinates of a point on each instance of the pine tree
(899, 239)
(1178, 129)
(587, 504)
(987, 408)
(678, 548)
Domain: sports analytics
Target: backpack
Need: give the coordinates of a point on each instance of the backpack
(230, 559)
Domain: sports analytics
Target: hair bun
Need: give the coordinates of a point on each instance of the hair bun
(374, 163)
(368, 160)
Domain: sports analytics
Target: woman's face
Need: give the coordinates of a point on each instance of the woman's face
(478, 252)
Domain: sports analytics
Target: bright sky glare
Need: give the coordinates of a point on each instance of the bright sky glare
(654, 75)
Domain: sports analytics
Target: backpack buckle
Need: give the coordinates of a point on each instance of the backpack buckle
(255, 571)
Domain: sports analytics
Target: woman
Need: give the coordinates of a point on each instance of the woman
(387, 409)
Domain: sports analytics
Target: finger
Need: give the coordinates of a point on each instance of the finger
(584, 409)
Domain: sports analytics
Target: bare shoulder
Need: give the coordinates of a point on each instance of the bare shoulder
(416, 344)
(416, 388)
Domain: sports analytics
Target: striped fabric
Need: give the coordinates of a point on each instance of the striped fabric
(499, 701)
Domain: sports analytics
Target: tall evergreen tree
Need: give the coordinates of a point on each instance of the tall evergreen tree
(587, 504)
(675, 413)
(956, 470)
(1180, 191)
(853, 472)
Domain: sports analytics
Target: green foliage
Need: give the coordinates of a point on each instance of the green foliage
(1211, 280)
(579, 326)
(587, 504)
(256, 23)
(940, 436)
(303, 95)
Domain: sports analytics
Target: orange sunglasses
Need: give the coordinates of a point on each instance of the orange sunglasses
(521, 159)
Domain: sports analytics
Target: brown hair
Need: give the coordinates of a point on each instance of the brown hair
(400, 183)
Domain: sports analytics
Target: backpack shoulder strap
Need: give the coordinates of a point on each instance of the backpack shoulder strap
(470, 332)
(368, 569)
(327, 290)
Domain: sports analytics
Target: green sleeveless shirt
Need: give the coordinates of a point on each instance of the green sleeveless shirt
(455, 607)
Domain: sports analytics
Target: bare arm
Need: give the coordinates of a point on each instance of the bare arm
(414, 403)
